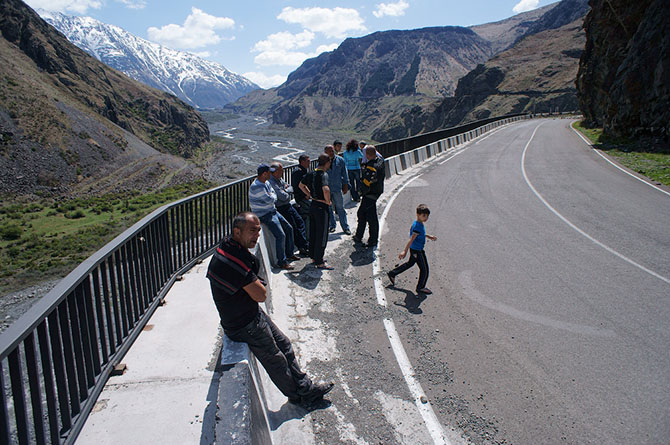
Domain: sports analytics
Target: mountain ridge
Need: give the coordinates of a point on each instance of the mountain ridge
(196, 81)
(67, 120)
(367, 83)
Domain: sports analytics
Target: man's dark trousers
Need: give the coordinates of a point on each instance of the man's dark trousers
(303, 210)
(293, 218)
(367, 214)
(273, 349)
(318, 232)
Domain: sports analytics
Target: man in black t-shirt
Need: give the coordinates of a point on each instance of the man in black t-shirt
(237, 290)
(315, 186)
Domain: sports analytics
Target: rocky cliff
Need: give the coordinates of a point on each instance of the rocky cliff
(380, 83)
(624, 74)
(537, 74)
(65, 117)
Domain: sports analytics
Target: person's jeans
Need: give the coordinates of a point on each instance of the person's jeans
(367, 214)
(274, 351)
(283, 233)
(291, 215)
(338, 203)
(354, 183)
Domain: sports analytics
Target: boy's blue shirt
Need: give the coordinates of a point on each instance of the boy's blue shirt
(420, 240)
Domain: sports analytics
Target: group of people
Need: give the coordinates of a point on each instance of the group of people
(233, 271)
(319, 200)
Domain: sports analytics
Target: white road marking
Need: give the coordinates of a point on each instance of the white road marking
(425, 409)
(577, 229)
(608, 160)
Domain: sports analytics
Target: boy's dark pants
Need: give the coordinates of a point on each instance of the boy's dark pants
(415, 257)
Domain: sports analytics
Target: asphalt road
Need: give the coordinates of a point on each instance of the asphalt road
(550, 320)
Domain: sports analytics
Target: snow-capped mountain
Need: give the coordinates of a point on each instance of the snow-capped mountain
(196, 81)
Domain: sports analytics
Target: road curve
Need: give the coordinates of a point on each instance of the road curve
(549, 321)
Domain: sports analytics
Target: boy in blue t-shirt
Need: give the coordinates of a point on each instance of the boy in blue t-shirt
(417, 255)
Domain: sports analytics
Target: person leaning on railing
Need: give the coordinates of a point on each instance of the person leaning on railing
(286, 209)
(262, 200)
(237, 290)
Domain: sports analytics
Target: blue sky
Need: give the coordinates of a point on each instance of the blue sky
(266, 40)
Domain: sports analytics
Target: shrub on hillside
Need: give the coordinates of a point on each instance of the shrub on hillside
(10, 232)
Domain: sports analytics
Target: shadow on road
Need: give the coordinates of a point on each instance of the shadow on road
(412, 301)
(289, 411)
(308, 277)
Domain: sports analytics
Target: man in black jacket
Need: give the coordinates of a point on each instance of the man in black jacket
(302, 203)
(237, 290)
(372, 186)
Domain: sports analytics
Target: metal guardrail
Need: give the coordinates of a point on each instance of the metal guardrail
(56, 358)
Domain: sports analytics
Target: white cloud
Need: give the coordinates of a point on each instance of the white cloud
(284, 41)
(279, 49)
(134, 4)
(199, 29)
(78, 6)
(280, 58)
(337, 22)
(392, 9)
(264, 81)
(525, 5)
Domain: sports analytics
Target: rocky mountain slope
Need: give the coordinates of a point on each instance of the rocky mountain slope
(624, 73)
(535, 75)
(198, 82)
(373, 83)
(69, 123)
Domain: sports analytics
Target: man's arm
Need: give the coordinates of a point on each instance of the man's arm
(256, 291)
(305, 190)
(326, 194)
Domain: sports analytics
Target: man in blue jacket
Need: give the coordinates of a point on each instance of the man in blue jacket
(338, 182)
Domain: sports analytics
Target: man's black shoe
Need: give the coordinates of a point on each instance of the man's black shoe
(318, 391)
(357, 239)
(347, 232)
(371, 245)
(332, 230)
(391, 278)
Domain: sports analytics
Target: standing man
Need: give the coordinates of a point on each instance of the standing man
(237, 290)
(315, 186)
(338, 182)
(262, 200)
(285, 209)
(301, 202)
(372, 179)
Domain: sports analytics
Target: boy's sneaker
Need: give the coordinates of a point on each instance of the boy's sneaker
(391, 278)
(425, 291)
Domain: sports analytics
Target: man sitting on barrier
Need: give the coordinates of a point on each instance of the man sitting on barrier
(262, 199)
(286, 209)
(237, 290)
